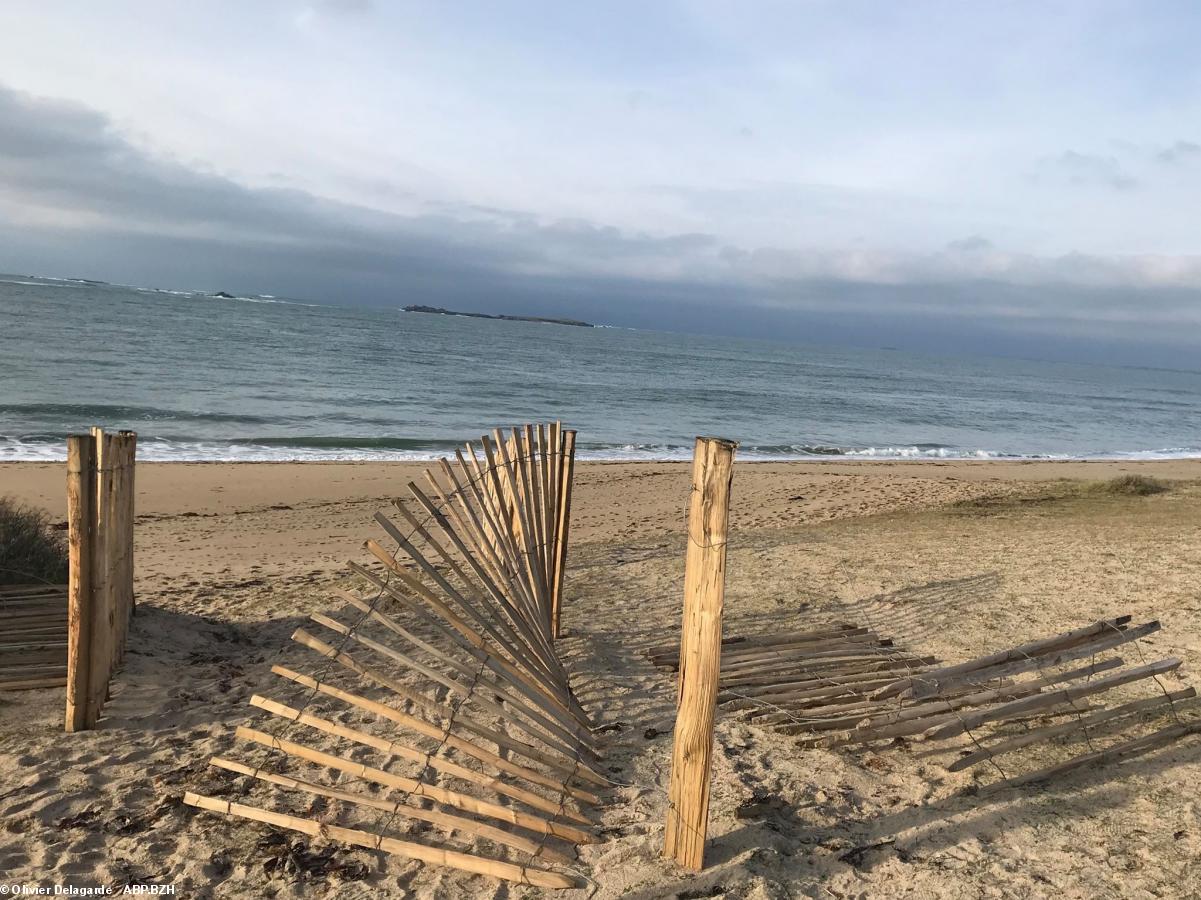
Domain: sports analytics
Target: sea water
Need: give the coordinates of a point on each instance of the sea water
(266, 378)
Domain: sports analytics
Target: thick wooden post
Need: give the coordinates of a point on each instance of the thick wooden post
(81, 529)
(700, 651)
(100, 510)
(566, 469)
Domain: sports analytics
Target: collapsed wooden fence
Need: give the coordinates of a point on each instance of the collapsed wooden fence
(100, 600)
(439, 693)
(846, 685)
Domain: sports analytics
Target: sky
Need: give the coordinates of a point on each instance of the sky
(1008, 177)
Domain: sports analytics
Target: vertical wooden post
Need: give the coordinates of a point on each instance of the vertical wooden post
(81, 528)
(128, 513)
(104, 570)
(700, 651)
(554, 447)
(532, 492)
(563, 514)
(100, 510)
(546, 511)
(121, 546)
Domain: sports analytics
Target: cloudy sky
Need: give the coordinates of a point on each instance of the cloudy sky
(1021, 178)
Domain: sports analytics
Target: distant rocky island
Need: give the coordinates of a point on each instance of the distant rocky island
(474, 315)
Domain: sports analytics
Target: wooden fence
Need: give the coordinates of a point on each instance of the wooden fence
(100, 601)
(445, 652)
(33, 636)
(843, 686)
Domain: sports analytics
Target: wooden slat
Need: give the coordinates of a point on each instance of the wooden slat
(820, 667)
(1048, 660)
(566, 745)
(514, 689)
(10, 670)
(432, 708)
(437, 764)
(397, 808)
(20, 591)
(563, 527)
(26, 684)
(444, 736)
(929, 714)
(81, 514)
(1080, 726)
(1116, 753)
(456, 799)
(1032, 648)
(1066, 695)
(469, 634)
(452, 859)
(668, 654)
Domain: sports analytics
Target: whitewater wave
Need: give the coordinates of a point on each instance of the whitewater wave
(43, 448)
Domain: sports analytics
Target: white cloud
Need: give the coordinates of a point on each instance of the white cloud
(759, 152)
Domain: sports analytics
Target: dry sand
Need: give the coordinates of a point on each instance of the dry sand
(231, 558)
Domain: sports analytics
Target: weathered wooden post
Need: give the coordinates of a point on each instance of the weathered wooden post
(100, 514)
(700, 651)
(124, 514)
(563, 513)
(104, 571)
(81, 526)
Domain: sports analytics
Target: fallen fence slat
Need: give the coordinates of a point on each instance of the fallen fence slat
(438, 710)
(1125, 750)
(433, 816)
(1081, 725)
(452, 859)
(1049, 659)
(457, 799)
(25, 684)
(443, 736)
(1067, 695)
(927, 715)
(414, 755)
(1033, 648)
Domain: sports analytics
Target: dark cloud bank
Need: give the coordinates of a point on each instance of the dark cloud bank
(77, 198)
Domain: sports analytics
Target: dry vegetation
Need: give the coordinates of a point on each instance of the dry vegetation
(31, 550)
(1129, 486)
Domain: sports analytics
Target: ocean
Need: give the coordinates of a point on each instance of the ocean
(265, 378)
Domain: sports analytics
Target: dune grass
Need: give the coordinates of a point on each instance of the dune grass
(1129, 486)
(31, 551)
(1065, 489)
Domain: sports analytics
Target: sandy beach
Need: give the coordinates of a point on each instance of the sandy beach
(955, 558)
